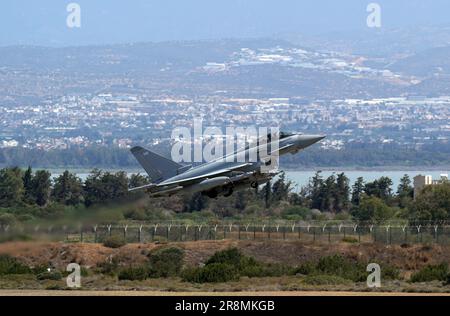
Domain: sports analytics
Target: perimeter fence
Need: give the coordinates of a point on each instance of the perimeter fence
(174, 231)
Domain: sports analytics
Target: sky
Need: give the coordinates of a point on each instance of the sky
(43, 22)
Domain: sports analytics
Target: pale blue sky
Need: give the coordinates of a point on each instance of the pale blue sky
(117, 21)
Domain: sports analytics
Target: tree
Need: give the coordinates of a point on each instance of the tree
(28, 186)
(240, 201)
(342, 193)
(357, 191)
(11, 187)
(432, 203)
(137, 180)
(102, 186)
(405, 191)
(380, 188)
(68, 189)
(373, 209)
(41, 185)
(266, 194)
(281, 188)
(328, 194)
(195, 202)
(315, 189)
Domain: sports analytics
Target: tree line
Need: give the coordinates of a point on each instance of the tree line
(19, 188)
(26, 192)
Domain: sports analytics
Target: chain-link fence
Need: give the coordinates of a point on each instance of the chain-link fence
(320, 232)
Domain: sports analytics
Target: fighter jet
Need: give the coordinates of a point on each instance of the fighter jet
(220, 176)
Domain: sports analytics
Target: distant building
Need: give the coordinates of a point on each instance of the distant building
(9, 143)
(421, 181)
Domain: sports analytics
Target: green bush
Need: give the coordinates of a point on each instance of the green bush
(389, 272)
(231, 256)
(137, 273)
(258, 269)
(295, 211)
(166, 262)
(214, 272)
(339, 266)
(114, 242)
(109, 267)
(10, 265)
(306, 268)
(322, 279)
(50, 275)
(234, 264)
(7, 219)
(431, 272)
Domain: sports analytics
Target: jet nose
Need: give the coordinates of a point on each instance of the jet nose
(307, 140)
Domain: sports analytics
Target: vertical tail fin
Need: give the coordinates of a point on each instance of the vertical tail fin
(157, 167)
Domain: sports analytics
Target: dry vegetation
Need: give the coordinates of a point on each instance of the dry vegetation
(407, 258)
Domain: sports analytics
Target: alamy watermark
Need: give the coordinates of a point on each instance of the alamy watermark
(73, 280)
(73, 19)
(235, 144)
(374, 278)
(374, 17)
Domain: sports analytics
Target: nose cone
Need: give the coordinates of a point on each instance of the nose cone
(307, 140)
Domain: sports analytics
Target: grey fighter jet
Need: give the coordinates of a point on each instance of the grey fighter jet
(220, 176)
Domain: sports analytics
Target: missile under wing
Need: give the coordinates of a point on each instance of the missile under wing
(220, 176)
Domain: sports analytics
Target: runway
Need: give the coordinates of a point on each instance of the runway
(184, 294)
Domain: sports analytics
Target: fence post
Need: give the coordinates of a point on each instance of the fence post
(419, 237)
(95, 234)
(140, 234)
(125, 228)
(387, 234)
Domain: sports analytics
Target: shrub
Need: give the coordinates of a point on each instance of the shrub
(214, 272)
(114, 242)
(430, 273)
(322, 279)
(231, 256)
(166, 262)
(39, 269)
(296, 212)
(135, 214)
(137, 273)
(10, 265)
(109, 267)
(50, 275)
(389, 272)
(258, 269)
(339, 266)
(7, 219)
(306, 269)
